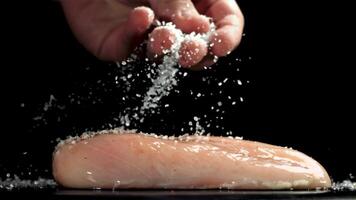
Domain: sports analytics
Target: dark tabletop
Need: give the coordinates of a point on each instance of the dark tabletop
(176, 194)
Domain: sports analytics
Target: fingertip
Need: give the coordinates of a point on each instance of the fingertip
(133, 32)
(192, 52)
(202, 24)
(160, 40)
(225, 40)
(141, 18)
(195, 23)
(206, 63)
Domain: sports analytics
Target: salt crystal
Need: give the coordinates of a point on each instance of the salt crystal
(18, 183)
(344, 186)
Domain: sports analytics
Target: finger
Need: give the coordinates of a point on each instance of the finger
(142, 161)
(205, 63)
(192, 51)
(229, 20)
(120, 41)
(225, 40)
(160, 41)
(182, 13)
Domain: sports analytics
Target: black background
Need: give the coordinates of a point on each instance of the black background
(300, 92)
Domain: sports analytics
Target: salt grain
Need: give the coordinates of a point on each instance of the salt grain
(18, 183)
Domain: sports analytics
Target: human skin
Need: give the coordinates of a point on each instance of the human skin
(132, 160)
(111, 29)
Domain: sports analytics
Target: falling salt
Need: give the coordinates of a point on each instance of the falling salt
(163, 77)
(167, 70)
(49, 104)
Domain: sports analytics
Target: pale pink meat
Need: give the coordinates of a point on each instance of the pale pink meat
(129, 160)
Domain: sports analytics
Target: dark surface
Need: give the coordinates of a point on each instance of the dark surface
(182, 194)
(301, 91)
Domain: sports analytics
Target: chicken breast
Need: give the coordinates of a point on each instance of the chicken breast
(134, 160)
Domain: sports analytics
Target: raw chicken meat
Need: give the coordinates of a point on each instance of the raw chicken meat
(135, 160)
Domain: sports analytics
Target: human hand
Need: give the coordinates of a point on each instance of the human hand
(111, 29)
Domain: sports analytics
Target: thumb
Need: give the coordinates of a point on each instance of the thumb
(182, 13)
(122, 39)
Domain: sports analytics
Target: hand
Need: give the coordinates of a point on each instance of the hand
(111, 29)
